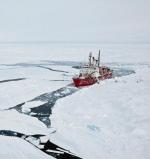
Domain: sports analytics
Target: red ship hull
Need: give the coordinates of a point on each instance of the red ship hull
(79, 82)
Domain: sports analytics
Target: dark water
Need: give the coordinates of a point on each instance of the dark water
(42, 112)
(47, 147)
(12, 80)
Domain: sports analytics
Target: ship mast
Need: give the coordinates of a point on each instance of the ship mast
(90, 59)
(99, 58)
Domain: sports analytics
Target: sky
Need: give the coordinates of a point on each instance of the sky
(75, 20)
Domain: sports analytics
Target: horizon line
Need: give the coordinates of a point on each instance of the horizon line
(74, 42)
